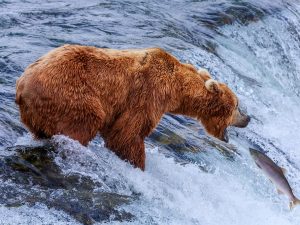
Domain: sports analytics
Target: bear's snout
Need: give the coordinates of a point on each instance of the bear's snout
(241, 119)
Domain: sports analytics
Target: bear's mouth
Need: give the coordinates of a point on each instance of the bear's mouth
(225, 136)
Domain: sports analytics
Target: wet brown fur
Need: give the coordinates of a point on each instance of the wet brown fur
(79, 91)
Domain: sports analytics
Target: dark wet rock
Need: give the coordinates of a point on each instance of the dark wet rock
(30, 175)
(171, 140)
(185, 147)
(210, 46)
(224, 14)
(174, 141)
(225, 149)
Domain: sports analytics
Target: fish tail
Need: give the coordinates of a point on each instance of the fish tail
(294, 203)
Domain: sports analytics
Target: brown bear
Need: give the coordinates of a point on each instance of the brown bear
(79, 91)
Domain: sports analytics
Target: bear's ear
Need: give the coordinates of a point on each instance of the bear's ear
(204, 74)
(212, 86)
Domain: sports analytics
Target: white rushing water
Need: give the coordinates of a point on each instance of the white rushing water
(261, 63)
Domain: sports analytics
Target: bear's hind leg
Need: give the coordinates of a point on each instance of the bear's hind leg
(82, 130)
(84, 124)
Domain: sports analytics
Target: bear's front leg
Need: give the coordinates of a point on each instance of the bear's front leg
(126, 136)
(132, 149)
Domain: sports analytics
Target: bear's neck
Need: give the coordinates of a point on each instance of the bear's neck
(193, 98)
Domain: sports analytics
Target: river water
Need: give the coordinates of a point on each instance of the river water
(190, 178)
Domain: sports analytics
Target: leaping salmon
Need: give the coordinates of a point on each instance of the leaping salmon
(275, 174)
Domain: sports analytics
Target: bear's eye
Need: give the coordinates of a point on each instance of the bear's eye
(237, 105)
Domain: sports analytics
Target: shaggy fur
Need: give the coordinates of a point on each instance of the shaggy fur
(79, 91)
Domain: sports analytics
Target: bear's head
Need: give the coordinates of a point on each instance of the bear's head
(221, 110)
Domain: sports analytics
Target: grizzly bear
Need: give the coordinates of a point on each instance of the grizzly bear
(80, 91)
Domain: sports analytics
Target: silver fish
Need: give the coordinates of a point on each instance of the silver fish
(275, 174)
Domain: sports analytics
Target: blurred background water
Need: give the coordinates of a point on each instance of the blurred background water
(190, 178)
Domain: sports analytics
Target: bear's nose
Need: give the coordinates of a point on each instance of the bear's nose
(248, 119)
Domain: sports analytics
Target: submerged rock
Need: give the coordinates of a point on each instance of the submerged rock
(30, 175)
(175, 142)
(229, 13)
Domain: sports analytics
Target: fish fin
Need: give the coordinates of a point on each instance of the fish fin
(258, 165)
(279, 192)
(284, 171)
(294, 203)
(271, 181)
